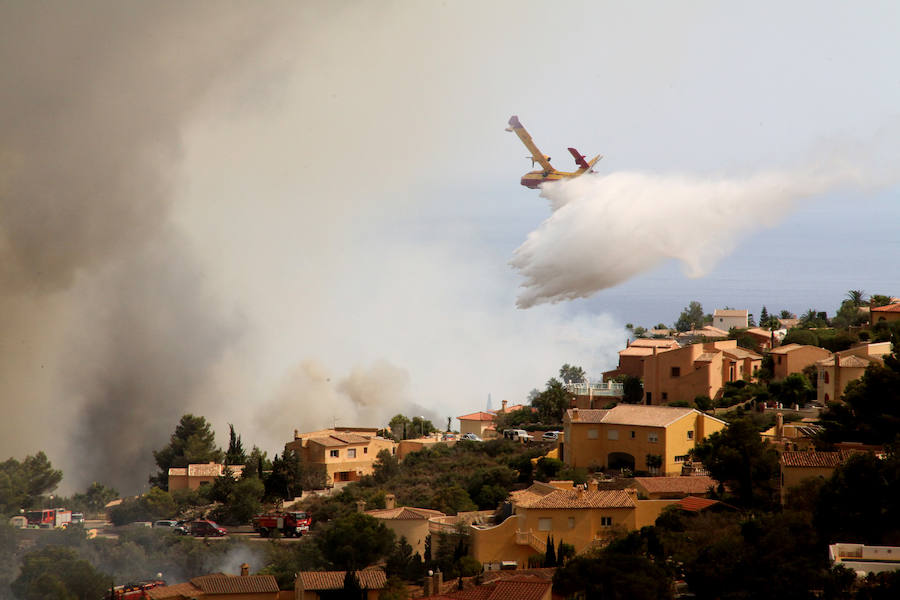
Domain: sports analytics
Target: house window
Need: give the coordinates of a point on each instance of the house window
(351, 453)
(827, 397)
(605, 521)
(649, 398)
(593, 434)
(690, 435)
(366, 450)
(653, 437)
(632, 435)
(779, 359)
(335, 453)
(826, 376)
(571, 522)
(665, 396)
(545, 524)
(612, 434)
(676, 371)
(681, 458)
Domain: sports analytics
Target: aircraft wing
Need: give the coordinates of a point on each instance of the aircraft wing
(579, 158)
(537, 156)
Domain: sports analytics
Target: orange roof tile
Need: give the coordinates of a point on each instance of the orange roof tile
(233, 584)
(813, 459)
(371, 579)
(579, 499)
(694, 504)
(721, 312)
(891, 308)
(177, 590)
(693, 484)
(477, 416)
(405, 513)
(632, 414)
(509, 588)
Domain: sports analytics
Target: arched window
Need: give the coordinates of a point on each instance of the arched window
(827, 398)
(826, 376)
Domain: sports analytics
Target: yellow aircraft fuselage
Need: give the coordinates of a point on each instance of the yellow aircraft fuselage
(535, 178)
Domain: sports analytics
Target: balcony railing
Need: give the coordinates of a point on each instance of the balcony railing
(596, 388)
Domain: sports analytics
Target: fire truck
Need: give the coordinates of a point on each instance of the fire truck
(49, 518)
(133, 591)
(289, 523)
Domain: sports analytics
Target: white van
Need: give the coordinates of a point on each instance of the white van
(519, 435)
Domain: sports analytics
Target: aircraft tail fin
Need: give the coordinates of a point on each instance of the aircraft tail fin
(579, 158)
(514, 123)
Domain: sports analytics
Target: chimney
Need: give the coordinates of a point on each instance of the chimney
(390, 501)
(779, 426)
(296, 434)
(579, 491)
(438, 581)
(245, 570)
(360, 506)
(574, 414)
(428, 587)
(504, 406)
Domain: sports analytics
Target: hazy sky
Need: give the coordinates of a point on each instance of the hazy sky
(320, 204)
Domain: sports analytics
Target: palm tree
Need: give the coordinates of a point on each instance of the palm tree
(809, 318)
(857, 297)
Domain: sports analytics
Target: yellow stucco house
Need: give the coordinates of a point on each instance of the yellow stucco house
(700, 369)
(624, 436)
(884, 314)
(406, 521)
(836, 371)
(571, 514)
(193, 476)
(631, 359)
(797, 466)
(347, 453)
(793, 358)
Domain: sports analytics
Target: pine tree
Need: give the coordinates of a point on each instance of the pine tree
(235, 454)
(764, 317)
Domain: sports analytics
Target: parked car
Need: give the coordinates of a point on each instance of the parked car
(551, 436)
(471, 437)
(173, 526)
(206, 528)
(519, 435)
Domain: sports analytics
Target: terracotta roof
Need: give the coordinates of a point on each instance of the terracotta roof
(233, 584)
(633, 414)
(650, 343)
(759, 331)
(719, 312)
(512, 408)
(860, 362)
(741, 353)
(176, 471)
(477, 416)
(517, 587)
(694, 484)
(813, 459)
(892, 308)
(579, 499)
(405, 513)
(370, 579)
(788, 348)
(342, 439)
(694, 504)
(639, 351)
(173, 591)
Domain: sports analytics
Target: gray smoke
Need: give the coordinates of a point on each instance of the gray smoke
(106, 325)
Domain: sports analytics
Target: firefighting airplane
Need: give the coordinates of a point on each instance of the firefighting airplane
(535, 178)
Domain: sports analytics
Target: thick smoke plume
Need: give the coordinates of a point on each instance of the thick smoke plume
(605, 230)
(106, 325)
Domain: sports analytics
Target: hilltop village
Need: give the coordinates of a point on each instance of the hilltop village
(726, 456)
